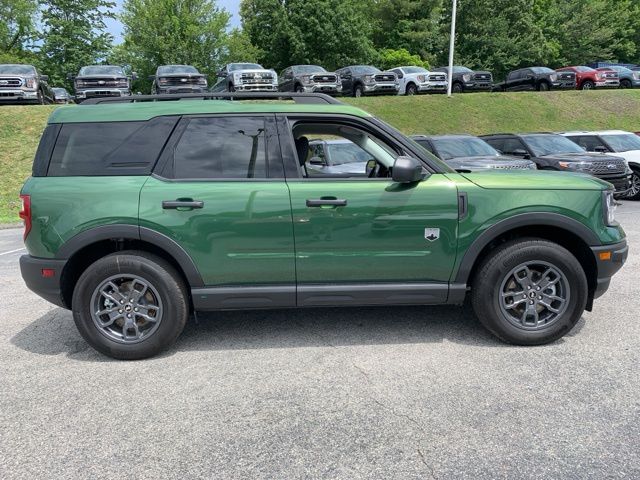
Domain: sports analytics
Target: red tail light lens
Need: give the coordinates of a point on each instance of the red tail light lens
(25, 214)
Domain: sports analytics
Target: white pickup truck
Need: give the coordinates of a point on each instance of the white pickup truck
(414, 80)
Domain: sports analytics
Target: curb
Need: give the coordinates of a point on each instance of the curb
(7, 226)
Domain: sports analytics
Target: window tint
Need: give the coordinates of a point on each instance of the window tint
(623, 143)
(589, 143)
(515, 75)
(510, 145)
(109, 148)
(424, 144)
(222, 147)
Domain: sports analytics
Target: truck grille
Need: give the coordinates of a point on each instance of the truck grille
(10, 82)
(178, 81)
(511, 166)
(437, 77)
(607, 167)
(257, 78)
(103, 83)
(483, 76)
(385, 77)
(324, 78)
(609, 74)
(570, 76)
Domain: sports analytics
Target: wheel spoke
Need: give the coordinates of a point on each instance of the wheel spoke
(147, 317)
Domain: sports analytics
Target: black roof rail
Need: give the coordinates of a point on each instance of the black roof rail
(301, 98)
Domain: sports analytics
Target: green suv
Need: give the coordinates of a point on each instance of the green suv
(141, 211)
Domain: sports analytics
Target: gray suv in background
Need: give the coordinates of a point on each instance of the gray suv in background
(101, 81)
(178, 79)
(23, 84)
(309, 78)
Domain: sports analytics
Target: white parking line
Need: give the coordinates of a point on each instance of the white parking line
(12, 251)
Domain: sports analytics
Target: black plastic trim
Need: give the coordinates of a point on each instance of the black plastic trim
(47, 288)
(372, 294)
(517, 221)
(243, 297)
(463, 205)
(300, 98)
(608, 268)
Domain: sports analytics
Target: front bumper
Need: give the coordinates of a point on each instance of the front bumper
(621, 182)
(432, 87)
(181, 89)
(563, 85)
(48, 287)
(328, 88)
(256, 87)
(102, 92)
(478, 86)
(609, 259)
(608, 84)
(18, 95)
(381, 89)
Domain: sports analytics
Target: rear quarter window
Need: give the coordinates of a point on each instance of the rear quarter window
(109, 148)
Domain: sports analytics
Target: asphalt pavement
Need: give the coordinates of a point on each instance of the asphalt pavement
(393, 392)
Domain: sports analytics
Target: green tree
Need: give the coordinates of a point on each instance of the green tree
(74, 35)
(239, 48)
(162, 32)
(388, 58)
(17, 19)
(332, 33)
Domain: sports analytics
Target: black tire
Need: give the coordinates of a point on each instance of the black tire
(587, 85)
(41, 99)
(358, 91)
(543, 87)
(231, 88)
(494, 272)
(299, 89)
(411, 89)
(160, 275)
(634, 193)
(457, 87)
(625, 83)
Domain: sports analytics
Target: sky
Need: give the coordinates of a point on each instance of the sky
(115, 27)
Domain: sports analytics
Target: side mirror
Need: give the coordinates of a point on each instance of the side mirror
(222, 74)
(407, 170)
(151, 77)
(70, 76)
(600, 149)
(371, 166)
(44, 78)
(520, 153)
(316, 161)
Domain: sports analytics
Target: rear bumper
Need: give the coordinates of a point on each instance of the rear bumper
(47, 287)
(607, 268)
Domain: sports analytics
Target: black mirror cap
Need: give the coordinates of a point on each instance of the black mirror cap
(70, 76)
(407, 170)
(44, 78)
(151, 77)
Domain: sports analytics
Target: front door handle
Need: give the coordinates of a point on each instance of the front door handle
(176, 204)
(326, 202)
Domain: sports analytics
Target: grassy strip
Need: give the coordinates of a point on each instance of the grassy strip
(21, 127)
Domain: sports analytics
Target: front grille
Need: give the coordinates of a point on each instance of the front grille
(436, 78)
(102, 83)
(11, 94)
(178, 81)
(324, 78)
(385, 77)
(257, 77)
(567, 76)
(10, 82)
(512, 166)
(482, 76)
(607, 167)
(610, 75)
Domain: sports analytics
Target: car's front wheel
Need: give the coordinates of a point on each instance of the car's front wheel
(587, 85)
(358, 91)
(625, 83)
(130, 305)
(529, 292)
(634, 191)
(411, 89)
(457, 87)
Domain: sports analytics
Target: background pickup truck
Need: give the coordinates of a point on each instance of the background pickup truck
(23, 84)
(360, 80)
(246, 77)
(101, 81)
(536, 78)
(413, 80)
(588, 78)
(466, 80)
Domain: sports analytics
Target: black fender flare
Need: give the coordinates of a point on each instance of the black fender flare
(133, 232)
(547, 219)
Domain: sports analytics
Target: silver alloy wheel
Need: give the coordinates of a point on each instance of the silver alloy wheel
(587, 86)
(635, 185)
(358, 92)
(534, 295)
(126, 308)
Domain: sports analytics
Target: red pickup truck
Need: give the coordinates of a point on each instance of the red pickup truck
(588, 78)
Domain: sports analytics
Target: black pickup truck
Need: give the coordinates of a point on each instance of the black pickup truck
(361, 80)
(101, 81)
(536, 78)
(178, 79)
(466, 80)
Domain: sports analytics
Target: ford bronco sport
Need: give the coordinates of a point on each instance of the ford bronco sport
(140, 211)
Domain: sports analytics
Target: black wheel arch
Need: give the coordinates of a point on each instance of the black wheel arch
(88, 246)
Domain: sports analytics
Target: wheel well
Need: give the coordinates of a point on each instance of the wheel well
(84, 257)
(544, 82)
(565, 238)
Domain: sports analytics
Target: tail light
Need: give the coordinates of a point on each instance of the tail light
(25, 214)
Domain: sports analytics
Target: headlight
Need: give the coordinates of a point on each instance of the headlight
(163, 81)
(466, 77)
(79, 83)
(237, 78)
(421, 78)
(306, 79)
(368, 79)
(554, 77)
(609, 208)
(577, 166)
(202, 81)
(636, 75)
(30, 82)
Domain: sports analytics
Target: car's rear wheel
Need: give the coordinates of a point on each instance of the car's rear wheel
(634, 192)
(529, 292)
(130, 305)
(587, 85)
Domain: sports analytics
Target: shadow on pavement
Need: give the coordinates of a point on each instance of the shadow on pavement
(55, 333)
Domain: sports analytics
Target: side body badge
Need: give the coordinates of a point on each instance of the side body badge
(431, 234)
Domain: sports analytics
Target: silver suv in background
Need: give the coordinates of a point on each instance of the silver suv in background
(178, 79)
(246, 77)
(101, 81)
(413, 80)
(23, 84)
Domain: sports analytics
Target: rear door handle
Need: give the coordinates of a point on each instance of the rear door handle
(175, 204)
(326, 202)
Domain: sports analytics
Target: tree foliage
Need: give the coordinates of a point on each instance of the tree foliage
(74, 36)
(388, 58)
(17, 26)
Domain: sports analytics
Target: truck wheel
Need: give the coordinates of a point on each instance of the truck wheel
(634, 193)
(130, 305)
(625, 83)
(543, 87)
(41, 100)
(529, 292)
(231, 88)
(299, 89)
(411, 89)
(457, 87)
(587, 85)
(357, 91)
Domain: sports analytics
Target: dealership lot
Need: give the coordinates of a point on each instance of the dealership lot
(402, 392)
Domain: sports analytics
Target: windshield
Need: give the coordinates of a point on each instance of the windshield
(623, 143)
(367, 70)
(549, 144)
(309, 69)
(244, 66)
(341, 153)
(585, 69)
(541, 70)
(457, 147)
(17, 70)
(169, 69)
(461, 70)
(101, 70)
(415, 70)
